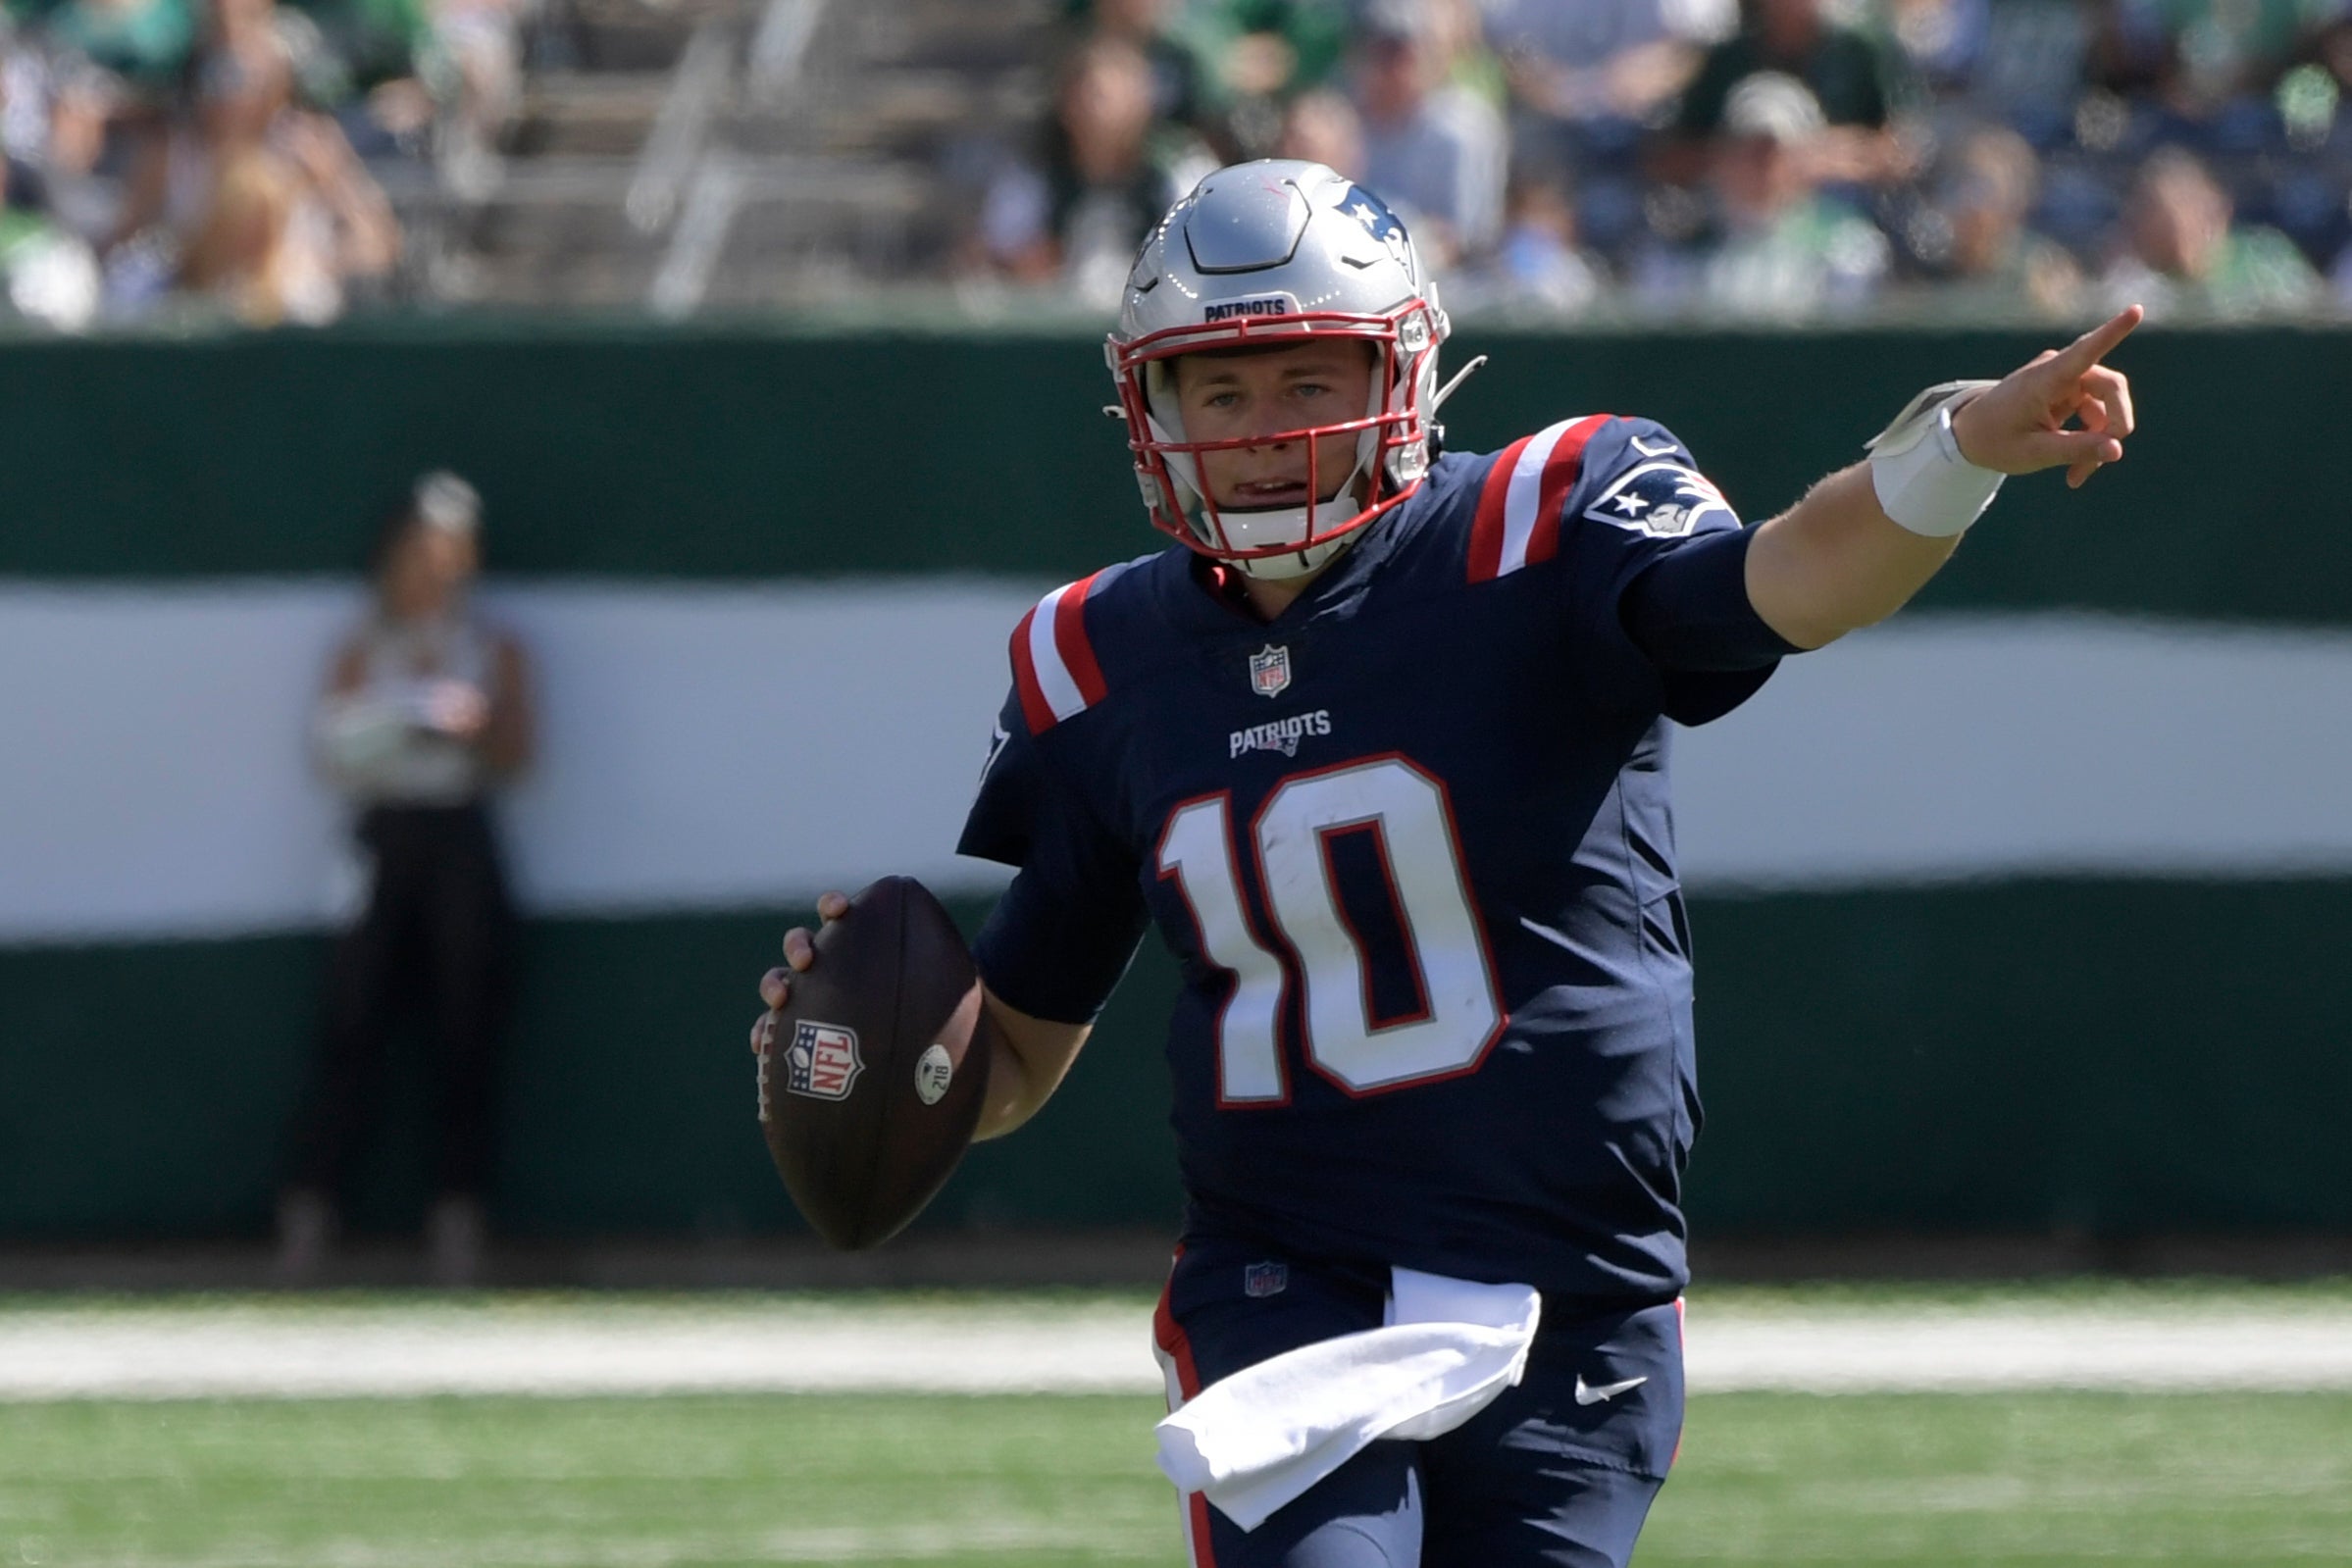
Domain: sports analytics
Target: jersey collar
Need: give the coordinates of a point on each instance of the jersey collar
(1210, 596)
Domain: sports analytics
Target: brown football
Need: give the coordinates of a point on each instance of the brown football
(871, 1084)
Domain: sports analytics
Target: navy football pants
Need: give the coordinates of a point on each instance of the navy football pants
(1541, 1478)
(438, 932)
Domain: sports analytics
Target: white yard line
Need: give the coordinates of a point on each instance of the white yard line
(2017, 1347)
(202, 1351)
(837, 1544)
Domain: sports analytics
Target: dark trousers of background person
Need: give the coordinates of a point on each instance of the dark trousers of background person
(437, 940)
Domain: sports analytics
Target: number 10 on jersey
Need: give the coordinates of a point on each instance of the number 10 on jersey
(1406, 811)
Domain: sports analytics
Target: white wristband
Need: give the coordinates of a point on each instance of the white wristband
(1923, 480)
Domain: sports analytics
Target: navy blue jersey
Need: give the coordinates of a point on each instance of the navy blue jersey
(1411, 847)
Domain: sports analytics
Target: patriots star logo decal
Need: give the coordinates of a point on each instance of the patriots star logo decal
(1378, 221)
(1665, 499)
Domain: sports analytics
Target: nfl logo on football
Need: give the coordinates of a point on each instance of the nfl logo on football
(1270, 670)
(823, 1062)
(1265, 1278)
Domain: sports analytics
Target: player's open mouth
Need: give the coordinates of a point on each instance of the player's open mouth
(1270, 492)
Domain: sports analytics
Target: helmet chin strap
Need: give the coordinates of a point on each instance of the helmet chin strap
(1296, 520)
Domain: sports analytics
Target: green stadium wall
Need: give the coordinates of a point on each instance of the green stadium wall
(2038, 1024)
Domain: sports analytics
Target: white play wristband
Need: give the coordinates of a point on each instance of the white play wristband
(1922, 481)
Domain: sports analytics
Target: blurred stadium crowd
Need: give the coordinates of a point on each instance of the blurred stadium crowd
(236, 159)
(1745, 159)
(281, 161)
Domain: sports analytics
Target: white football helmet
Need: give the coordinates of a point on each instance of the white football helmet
(1265, 254)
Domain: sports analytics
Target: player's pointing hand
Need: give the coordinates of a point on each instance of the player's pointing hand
(2020, 424)
(799, 952)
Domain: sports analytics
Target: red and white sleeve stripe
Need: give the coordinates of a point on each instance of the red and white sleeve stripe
(1053, 662)
(1518, 511)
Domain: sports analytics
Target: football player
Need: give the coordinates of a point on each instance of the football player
(1380, 746)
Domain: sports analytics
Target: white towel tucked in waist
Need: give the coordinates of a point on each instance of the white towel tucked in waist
(1253, 1442)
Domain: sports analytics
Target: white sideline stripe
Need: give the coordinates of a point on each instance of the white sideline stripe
(700, 747)
(1948, 747)
(192, 1355)
(711, 748)
(168, 1353)
(894, 1542)
(1961, 1351)
(1053, 676)
(1525, 490)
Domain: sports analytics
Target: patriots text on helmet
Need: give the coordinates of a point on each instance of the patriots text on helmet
(1225, 310)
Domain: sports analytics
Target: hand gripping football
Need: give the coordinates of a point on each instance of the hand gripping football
(872, 1080)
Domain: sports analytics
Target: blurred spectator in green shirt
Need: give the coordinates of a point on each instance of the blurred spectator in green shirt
(1312, 34)
(1260, 54)
(47, 275)
(1777, 248)
(1857, 81)
(1972, 234)
(2183, 258)
(145, 42)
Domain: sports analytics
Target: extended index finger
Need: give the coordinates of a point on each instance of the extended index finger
(2097, 343)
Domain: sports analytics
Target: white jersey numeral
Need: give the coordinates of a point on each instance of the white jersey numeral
(1196, 849)
(1404, 812)
(1407, 811)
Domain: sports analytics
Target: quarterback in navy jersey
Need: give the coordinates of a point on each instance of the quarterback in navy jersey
(1380, 748)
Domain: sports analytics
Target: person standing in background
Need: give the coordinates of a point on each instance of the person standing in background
(1435, 149)
(427, 711)
(1072, 218)
(2188, 257)
(1858, 82)
(1780, 246)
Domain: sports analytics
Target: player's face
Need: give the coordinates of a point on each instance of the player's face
(426, 569)
(1261, 392)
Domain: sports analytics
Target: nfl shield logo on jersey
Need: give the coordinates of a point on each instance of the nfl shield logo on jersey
(1265, 1278)
(823, 1062)
(1270, 670)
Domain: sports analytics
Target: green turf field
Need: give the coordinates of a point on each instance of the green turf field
(2036, 1479)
